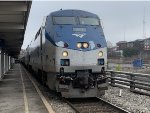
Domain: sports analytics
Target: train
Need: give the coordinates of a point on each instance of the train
(69, 54)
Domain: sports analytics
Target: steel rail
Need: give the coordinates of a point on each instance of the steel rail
(119, 108)
(71, 105)
(97, 99)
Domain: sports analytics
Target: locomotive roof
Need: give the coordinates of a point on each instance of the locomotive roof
(73, 13)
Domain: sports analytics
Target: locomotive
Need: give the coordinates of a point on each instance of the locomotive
(69, 54)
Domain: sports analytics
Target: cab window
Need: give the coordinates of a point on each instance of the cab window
(89, 21)
(64, 20)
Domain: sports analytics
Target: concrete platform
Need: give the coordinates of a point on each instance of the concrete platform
(17, 93)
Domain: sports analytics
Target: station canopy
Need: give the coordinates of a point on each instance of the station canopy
(13, 21)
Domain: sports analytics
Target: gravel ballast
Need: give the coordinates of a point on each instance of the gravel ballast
(130, 101)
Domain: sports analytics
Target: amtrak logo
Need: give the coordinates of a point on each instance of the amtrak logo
(80, 35)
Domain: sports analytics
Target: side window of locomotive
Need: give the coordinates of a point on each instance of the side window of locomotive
(64, 20)
(37, 34)
(89, 21)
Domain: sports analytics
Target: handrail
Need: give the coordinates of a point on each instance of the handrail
(137, 82)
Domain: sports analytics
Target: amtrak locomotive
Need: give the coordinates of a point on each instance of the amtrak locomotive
(69, 54)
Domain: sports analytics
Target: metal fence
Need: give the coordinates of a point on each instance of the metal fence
(137, 82)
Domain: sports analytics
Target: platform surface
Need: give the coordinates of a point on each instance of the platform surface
(17, 93)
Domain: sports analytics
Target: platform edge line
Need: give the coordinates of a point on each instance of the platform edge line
(24, 93)
(47, 105)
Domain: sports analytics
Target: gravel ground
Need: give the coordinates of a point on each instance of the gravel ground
(130, 101)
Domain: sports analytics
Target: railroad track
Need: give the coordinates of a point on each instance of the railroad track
(94, 105)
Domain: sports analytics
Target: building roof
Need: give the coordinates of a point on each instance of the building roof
(120, 42)
(13, 21)
(139, 40)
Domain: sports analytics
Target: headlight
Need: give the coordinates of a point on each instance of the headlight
(65, 53)
(79, 45)
(100, 54)
(85, 45)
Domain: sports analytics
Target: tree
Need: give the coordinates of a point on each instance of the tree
(129, 52)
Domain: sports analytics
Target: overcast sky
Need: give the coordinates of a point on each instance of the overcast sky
(121, 20)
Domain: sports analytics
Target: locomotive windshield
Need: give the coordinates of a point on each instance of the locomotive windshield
(64, 20)
(73, 21)
(88, 21)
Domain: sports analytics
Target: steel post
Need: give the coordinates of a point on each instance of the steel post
(9, 62)
(7, 66)
(1, 64)
(4, 62)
